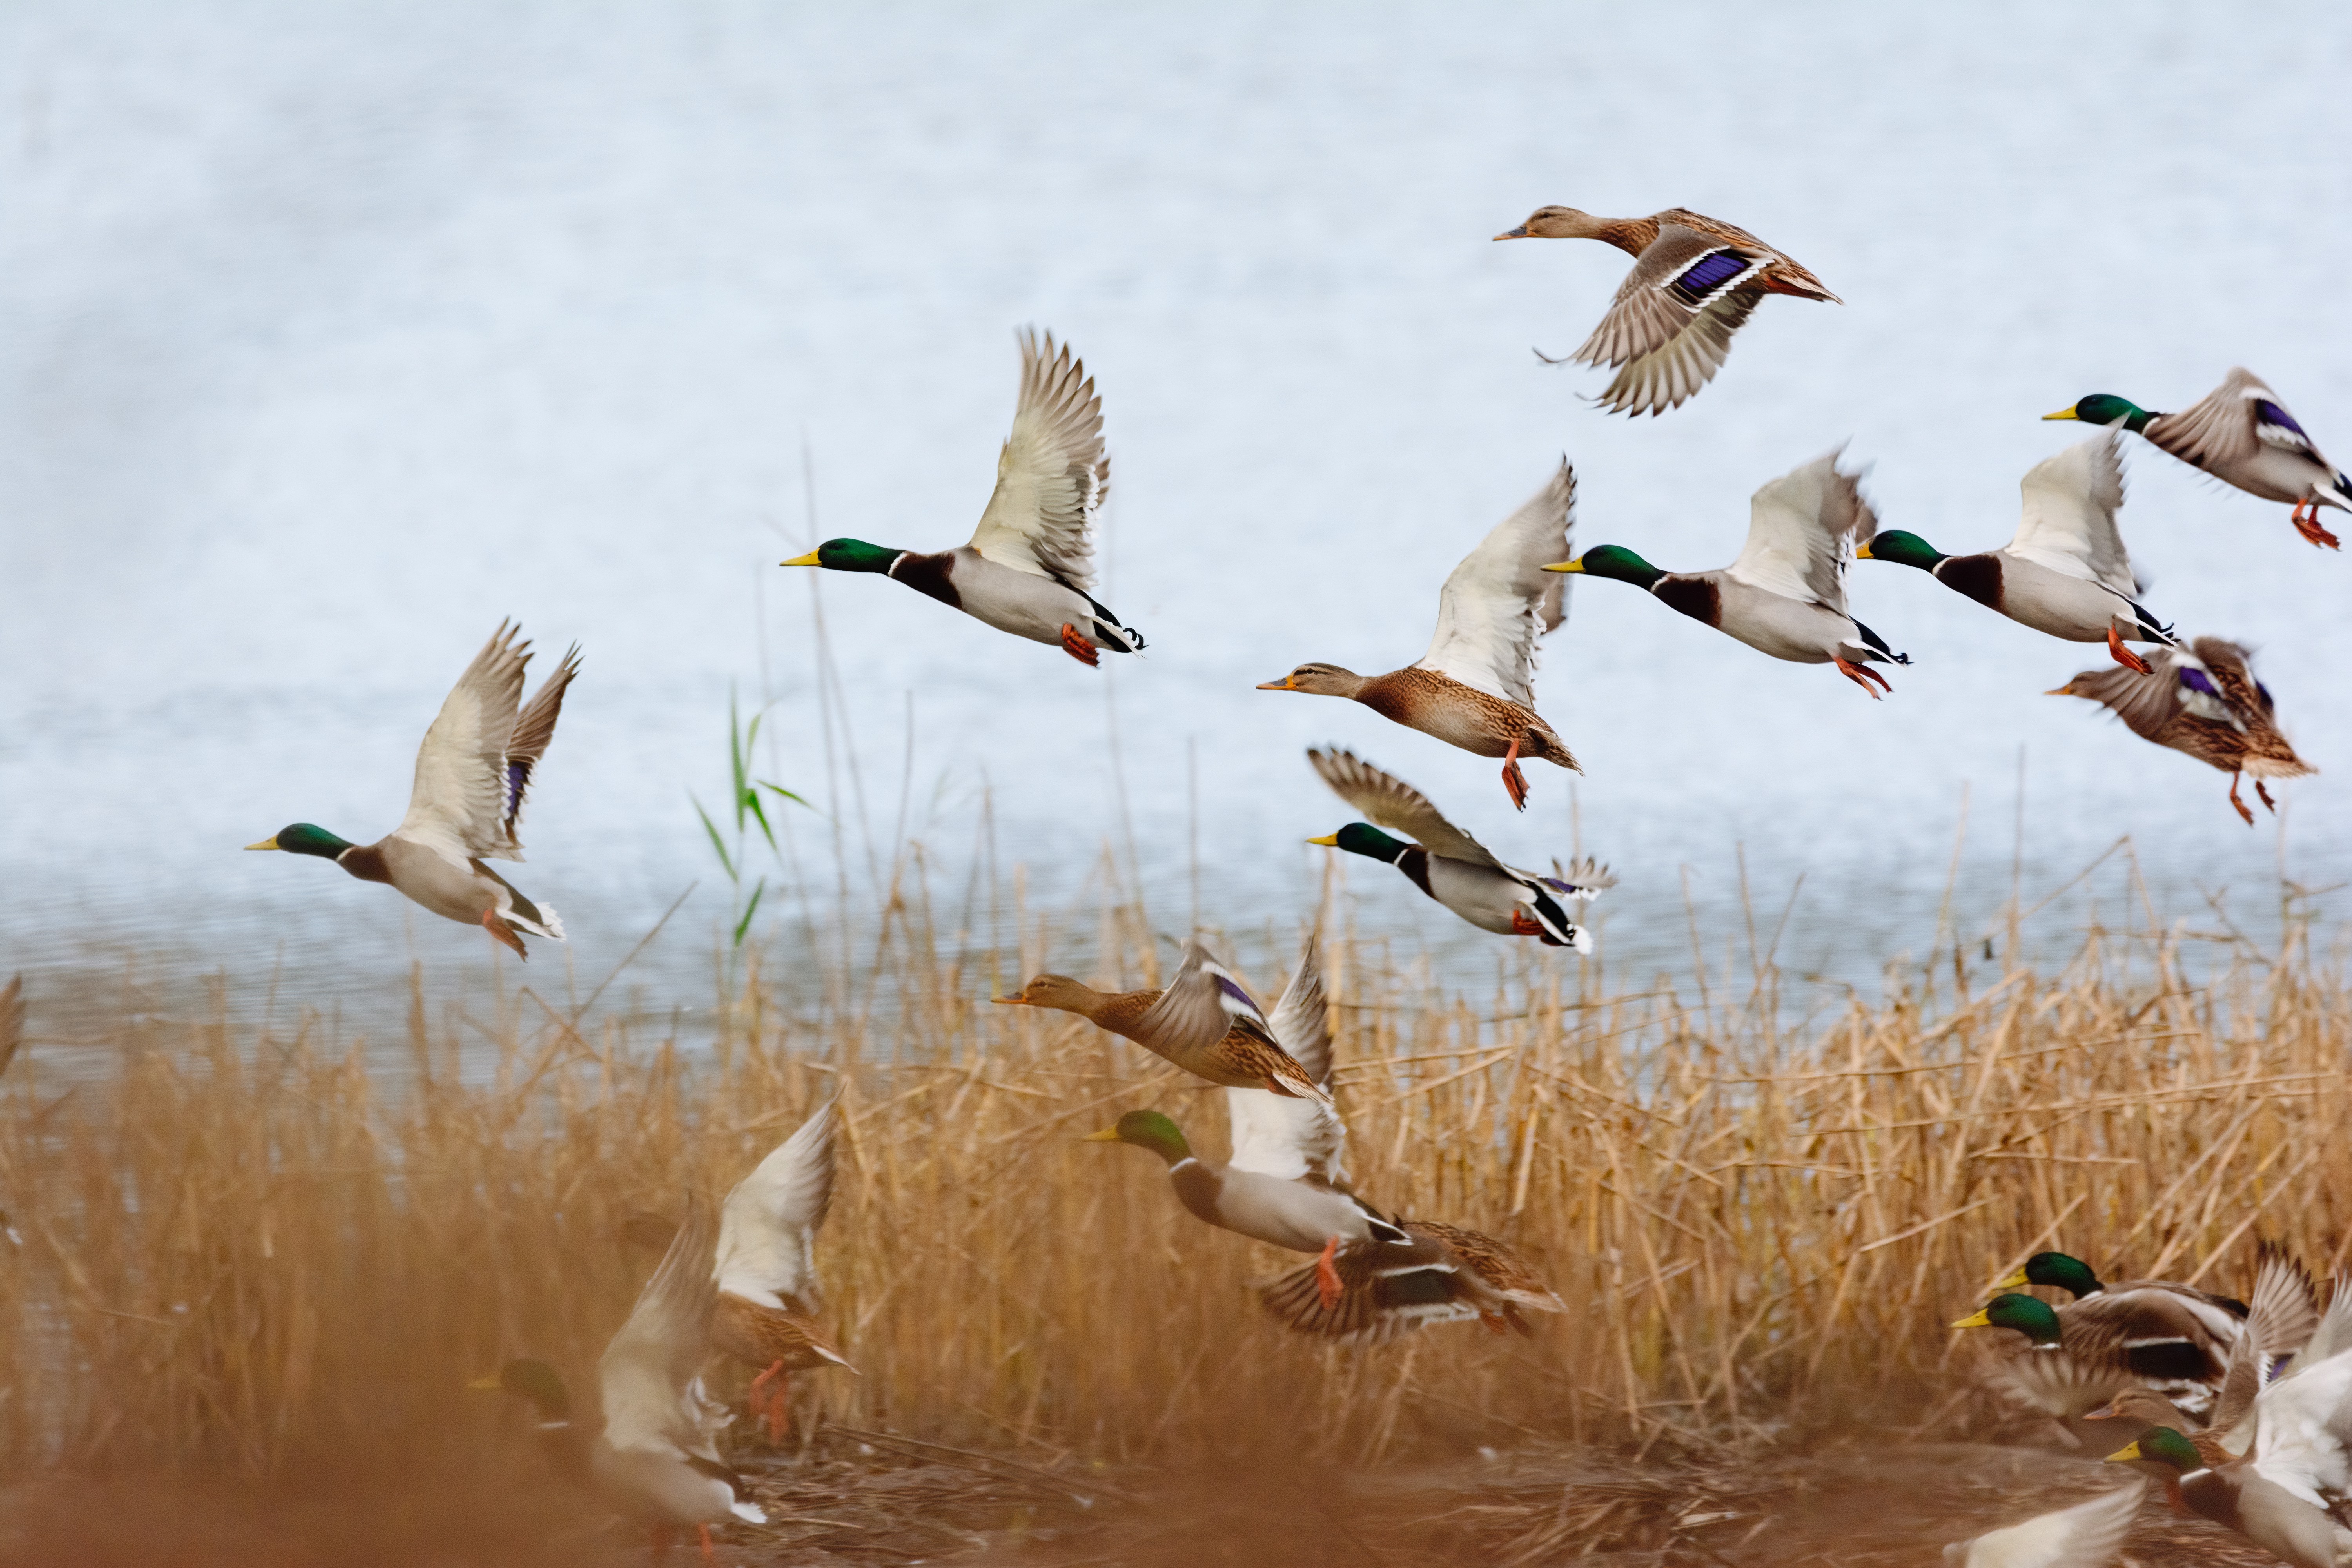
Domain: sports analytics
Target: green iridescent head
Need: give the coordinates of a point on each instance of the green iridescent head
(848, 555)
(2106, 408)
(532, 1380)
(2028, 1315)
(2058, 1271)
(1147, 1130)
(1905, 548)
(1612, 561)
(302, 838)
(2164, 1446)
(1364, 839)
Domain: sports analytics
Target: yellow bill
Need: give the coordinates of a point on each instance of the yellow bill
(1107, 1135)
(269, 843)
(2124, 1455)
(1980, 1319)
(1282, 685)
(2016, 1279)
(811, 560)
(2063, 414)
(1329, 841)
(1861, 553)
(1575, 565)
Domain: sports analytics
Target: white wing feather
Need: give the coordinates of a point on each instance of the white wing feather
(1801, 530)
(1052, 475)
(2069, 519)
(2084, 1536)
(1496, 602)
(458, 805)
(651, 1397)
(1280, 1136)
(767, 1229)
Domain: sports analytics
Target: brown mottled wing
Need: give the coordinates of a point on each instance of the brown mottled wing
(2268, 755)
(1052, 475)
(2218, 429)
(2144, 702)
(1387, 801)
(534, 727)
(11, 1020)
(1386, 1290)
(1201, 1004)
(1646, 315)
(1784, 269)
(1502, 1268)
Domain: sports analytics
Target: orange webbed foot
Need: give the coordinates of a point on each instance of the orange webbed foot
(1326, 1278)
(503, 933)
(2124, 655)
(1075, 644)
(1523, 924)
(1862, 675)
(2268, 803)
(1276, 1086)
(1515, 783)
(2244, 810)
(707, 1554)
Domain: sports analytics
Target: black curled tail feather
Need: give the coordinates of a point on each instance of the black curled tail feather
(1875, 640)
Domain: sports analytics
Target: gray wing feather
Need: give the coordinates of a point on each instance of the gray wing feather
(1387, 801)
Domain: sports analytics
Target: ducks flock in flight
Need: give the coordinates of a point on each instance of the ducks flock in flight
(745, 1282)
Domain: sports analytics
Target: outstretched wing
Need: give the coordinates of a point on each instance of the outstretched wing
(647, 1372)
(2086, 1535)
(1199, 1007)
(1282, 1136)
(767, 1229)
(2177, 680)
(533, 730)
(1386, 801)
(1494, 604)
(2069, 519)
(1670, 324)
(1052, 475)
(459, 805)
(1801, 530)
(2231, 424)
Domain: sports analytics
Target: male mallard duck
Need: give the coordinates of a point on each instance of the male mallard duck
(477, 761)
(1241, 1053)
(655, 1457)
(2241, 435)
(2283, 1320)
(2240, 1497)
(2204, 702)
(2066, 573)
(1786, 593)
(1030, 567)
(2170, 1337)
(769, 1296)
(2082, 1536)
(1372, 1278)
(1449, 865)
(1475, 688)
(1694, 282)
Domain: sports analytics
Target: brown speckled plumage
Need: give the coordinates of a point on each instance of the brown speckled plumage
(2235, 732)
(1240, 1060)
(1478, 721)
(1448, 1275)
(761, 1336)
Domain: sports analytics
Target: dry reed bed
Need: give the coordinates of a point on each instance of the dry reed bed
(248, 1249)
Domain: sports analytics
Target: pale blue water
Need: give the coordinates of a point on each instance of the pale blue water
(329, 335)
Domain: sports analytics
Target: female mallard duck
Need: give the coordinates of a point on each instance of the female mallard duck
(655, 1457)
(1241, 1053)
(1030, 567)
(1449, 865)
(2084, 1536)
(1694, 282)
(2241, 435)
(2239, 1496)
(2066, 573)
(769, 1296)
(1475, 688)
(472, 772)
(1372, 1277)
(2204, 702)
(1786, 593)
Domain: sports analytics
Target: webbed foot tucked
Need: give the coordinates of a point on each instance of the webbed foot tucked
(1524, 924)
(1494, 1323)
(1326, 1278)
(1862, 675)
(2268, 802)
(2244, 810)
(1074, 644)
(1515, 783)
(2305, 518)
(2124, 655)
(503, 933)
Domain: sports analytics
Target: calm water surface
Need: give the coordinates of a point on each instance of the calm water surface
(329, 335)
